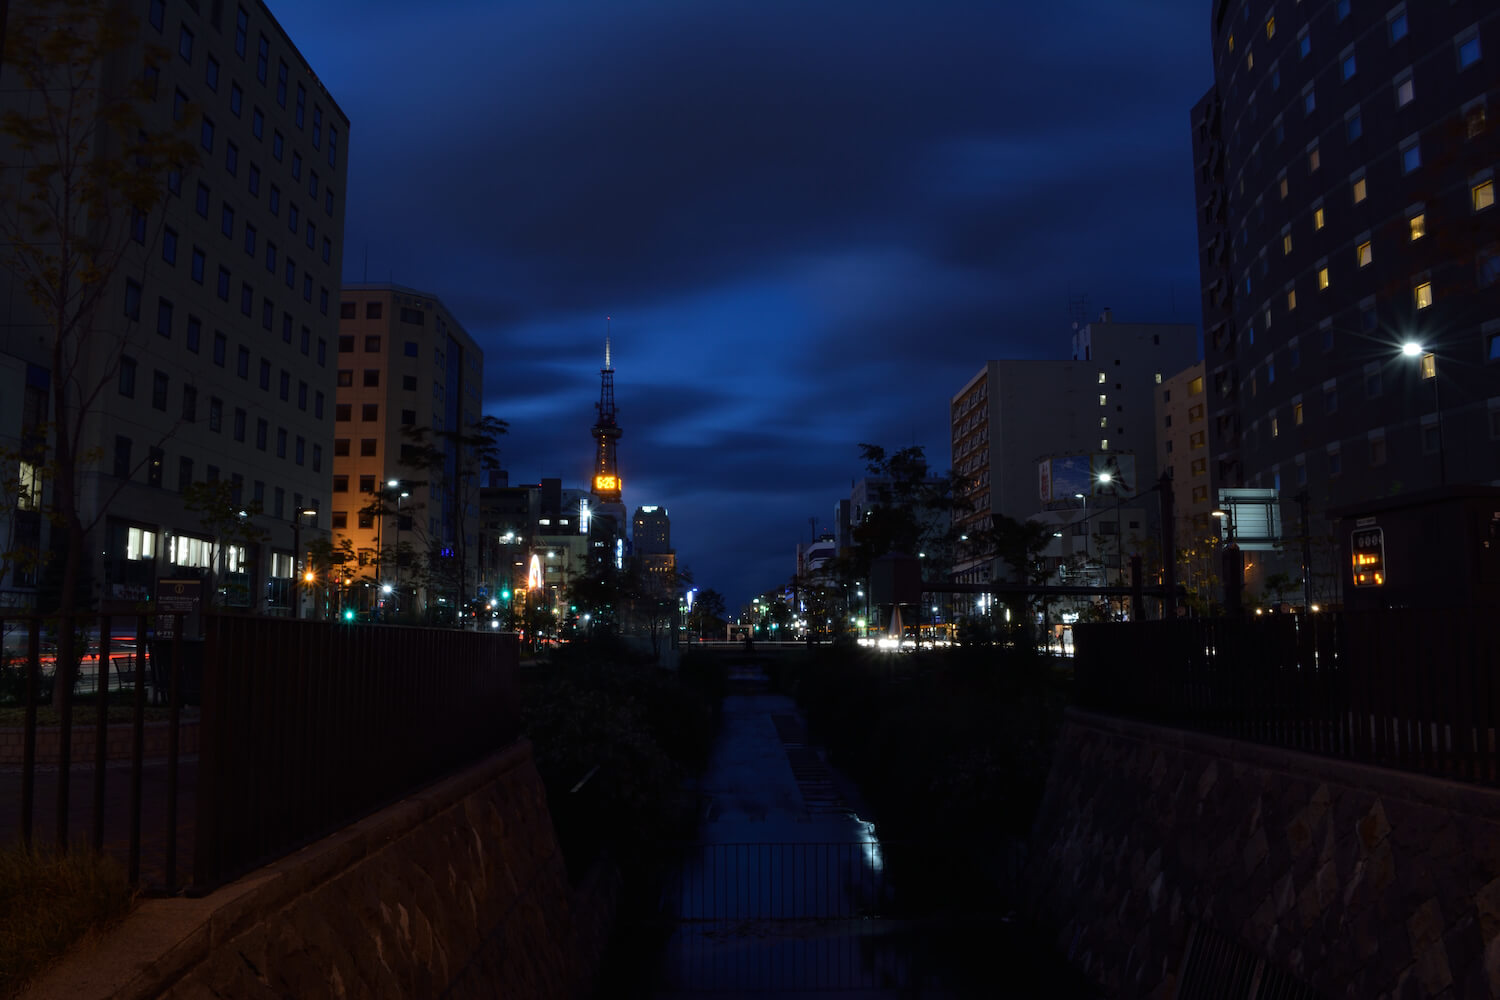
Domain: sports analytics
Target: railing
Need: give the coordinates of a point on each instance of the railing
(304, 727)
(1411, 689)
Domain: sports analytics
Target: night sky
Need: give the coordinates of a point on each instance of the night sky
(811, 222)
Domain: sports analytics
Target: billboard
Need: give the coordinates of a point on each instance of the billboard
(1254, 515)
(1062, 477)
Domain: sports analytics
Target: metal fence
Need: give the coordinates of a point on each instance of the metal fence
(303, 728)
(1412, 689)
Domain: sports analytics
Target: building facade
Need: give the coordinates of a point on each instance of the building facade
(405, 487)
(1029, 435)
(1344, 168)
(210, 354)
(651, 543)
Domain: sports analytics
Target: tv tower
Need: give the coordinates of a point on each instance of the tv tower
(606, 432)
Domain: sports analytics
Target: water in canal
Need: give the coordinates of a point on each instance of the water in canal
(785, 894)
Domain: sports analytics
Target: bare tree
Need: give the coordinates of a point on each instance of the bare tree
(87, 172)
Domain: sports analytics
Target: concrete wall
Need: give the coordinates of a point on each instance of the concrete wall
(459, 891)
(1357, 881)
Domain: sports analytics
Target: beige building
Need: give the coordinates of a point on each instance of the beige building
(212, 351)
(1184, 453)
(405, 365)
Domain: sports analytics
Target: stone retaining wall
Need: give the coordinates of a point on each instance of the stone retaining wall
(458, 892)
(1358, 881)
(118, 740)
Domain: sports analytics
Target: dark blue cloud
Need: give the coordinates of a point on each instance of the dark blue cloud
(811, 222)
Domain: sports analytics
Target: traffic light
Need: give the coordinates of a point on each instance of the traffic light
(348, 614)
(505, 595)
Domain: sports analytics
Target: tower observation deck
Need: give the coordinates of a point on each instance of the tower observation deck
(606, 432)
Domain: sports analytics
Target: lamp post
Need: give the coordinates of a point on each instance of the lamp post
(296, 557)
(395, 484)
(1234, 567)
(1428, 361)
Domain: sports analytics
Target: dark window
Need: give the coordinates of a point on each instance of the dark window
(372, 310)
(258, 123)
(215, 414)
(281, 442)
(346, 377)
(317, 135)
(301, 395)
(242, 363)
(231, 158)
(156, 458)
(138, 226)
(306, 288)
(299, 456)
(301, 104)
(367, 484)
(366, 519)
(185, 44)
(296, 166)
(333, 147)
(262, 433)
(159, 390)
(221, 348)
(322, 352)
(290, 275)
(306, 335)
(158, 9)
(179, 106)
(341, 447)
(275, 205)
(311, 241)
(372, 344)
(247, 298)
(127, 377)
(164, 317)
(342, 411)
(206, 134)
(241, 24)
(347, 310)
(202, 202)
(372, 377)
(194, 332)
(169, 245)
(236, 99)
(410, 349)
(327, 250)
(281, 74)
(409, 383)
(278, 145)
(414, 316)
(267, 314)
(250, 235)
(291, 216)
(286, 328)
(284, 385)
(341, 519)
(323, 301)
(312, 184)
(367, 447)
(122, 456)
(265, 374)
(189, 403)
(174, 180)
(211, 73)
(252, 179)
(241, 418)
(270, 256)
(408, 418)
(262, 58)
(318, 405)
(224, 283)
(346, 344)
(317, 456)
(199, 260)
(132, 299)
(226, 220)
(328, 200)
(369, 412)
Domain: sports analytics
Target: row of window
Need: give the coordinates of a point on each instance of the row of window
(161, 385)
(186, 41)
(193, 334)
(124, 467)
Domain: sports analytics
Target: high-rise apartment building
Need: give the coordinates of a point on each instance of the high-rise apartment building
(651, 542)
(210, 355)
(1018, 427)
(410, 380)
(1345, 177)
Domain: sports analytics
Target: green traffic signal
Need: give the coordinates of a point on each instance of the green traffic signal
(348, 614)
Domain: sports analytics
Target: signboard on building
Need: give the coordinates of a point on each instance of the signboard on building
(174, 599)
(1254, 516)
(1367, 556)
(1061, 478)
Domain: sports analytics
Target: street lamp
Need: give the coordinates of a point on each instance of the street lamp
(1085, 522)
(1234, 566)
(1428, 362)
(297, 555)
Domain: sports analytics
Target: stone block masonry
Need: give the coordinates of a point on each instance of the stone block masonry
(459, 891)
(1358, 881)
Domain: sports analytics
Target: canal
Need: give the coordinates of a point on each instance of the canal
(787, 890)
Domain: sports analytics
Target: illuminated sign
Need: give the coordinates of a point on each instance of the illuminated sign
(1367, 557)
(603, 483)
(534, 574)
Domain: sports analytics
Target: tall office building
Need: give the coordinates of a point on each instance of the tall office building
(651, 542)
(1029, 435)
(406, 364)
(209, 357)
(1344, 166)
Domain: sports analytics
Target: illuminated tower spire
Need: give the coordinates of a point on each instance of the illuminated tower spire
(606, 432)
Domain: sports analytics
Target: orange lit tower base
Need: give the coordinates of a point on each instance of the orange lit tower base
(606, 432)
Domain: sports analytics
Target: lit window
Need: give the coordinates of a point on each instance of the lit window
(1275, 427)
(1104, 444)
(1418, 225)
(1313, 159)
(1283, 187)
(1297, 414)
(1318, 218)
(1270, 27)
(1291, 300)
(1102, 379)
(1250, 59)
(1364, 254)
(1347, 67)
(1103, 400)
(1468, 52)
(1404, 91)
(1398, 27)
(1484, 195)
(1411, 157)
(1286, 243)
(1359, 191)
(1322, 278)
(1423, 294)
(1103, 421)
(1231, 43)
